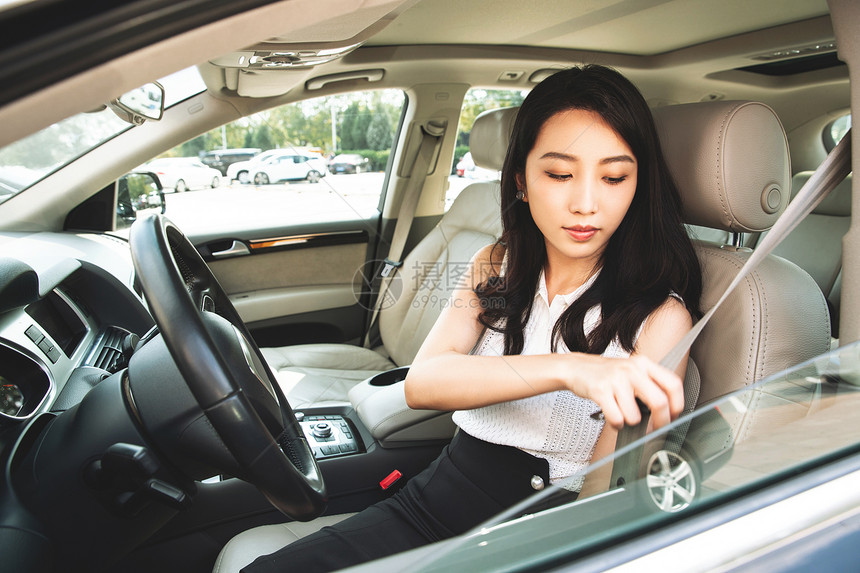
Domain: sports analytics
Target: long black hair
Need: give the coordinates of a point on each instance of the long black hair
(649, 256)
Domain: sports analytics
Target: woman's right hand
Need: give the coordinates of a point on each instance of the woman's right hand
(615, 383)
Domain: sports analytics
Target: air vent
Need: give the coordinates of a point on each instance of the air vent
(107, 354)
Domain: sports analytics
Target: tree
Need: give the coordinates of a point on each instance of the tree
(262, 138)
(354, 124)
(379, 132)
(194, 147)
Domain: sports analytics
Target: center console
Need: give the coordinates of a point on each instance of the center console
(380, 403)
(329, 435)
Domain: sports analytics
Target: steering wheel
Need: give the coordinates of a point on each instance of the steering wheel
(224, 369)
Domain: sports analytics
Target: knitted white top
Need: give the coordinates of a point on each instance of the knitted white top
(556, 426)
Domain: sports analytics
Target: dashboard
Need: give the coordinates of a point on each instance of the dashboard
(68, 304)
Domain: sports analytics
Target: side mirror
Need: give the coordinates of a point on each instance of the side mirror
(138, 105)
(135, 192)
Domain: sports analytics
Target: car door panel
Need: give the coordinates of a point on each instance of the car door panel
(297, 286)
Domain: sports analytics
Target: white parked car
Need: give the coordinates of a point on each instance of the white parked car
(184, 173)
(290, 166)
(241, 170)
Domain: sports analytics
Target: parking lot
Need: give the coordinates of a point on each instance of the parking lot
(335, 197)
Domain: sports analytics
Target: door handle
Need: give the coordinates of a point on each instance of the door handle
(237, 249)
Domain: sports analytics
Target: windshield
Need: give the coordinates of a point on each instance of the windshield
(790, 423)
(29, 160)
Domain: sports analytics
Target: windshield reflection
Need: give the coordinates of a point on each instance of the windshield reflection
(791, 422)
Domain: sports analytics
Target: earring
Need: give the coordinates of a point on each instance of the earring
(520, 195)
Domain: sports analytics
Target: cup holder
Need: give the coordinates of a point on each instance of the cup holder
(389, 377)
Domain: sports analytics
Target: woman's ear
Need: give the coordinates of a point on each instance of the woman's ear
(521, 188)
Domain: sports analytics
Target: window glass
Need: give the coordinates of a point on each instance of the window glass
(775, 430)
(836, 131)
(477, 101)
(317, 160)
(29, 160)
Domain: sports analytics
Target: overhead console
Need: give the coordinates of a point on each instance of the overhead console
(259, 71)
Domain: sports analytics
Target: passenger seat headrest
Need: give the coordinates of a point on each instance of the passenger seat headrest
(730, 161)
(490, 136)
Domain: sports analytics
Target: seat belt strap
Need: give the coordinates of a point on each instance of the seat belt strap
(836, 166)
(432, 133)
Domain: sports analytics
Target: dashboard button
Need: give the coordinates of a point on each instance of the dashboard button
(50, 350)
(34, 334)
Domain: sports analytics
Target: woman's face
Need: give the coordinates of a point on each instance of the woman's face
(580, 179)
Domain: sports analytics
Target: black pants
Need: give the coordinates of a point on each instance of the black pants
(468, 483)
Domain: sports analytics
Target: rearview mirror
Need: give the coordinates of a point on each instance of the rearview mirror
(138, 105)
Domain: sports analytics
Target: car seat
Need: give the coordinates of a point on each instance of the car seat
(734, 176)
(815, 245)
(324, 373)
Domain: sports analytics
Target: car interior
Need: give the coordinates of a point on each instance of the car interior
(738, 347)
(202, 379)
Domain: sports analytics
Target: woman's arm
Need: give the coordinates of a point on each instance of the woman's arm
(444, 376)
(663, 329)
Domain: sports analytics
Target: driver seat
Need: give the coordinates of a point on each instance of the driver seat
(730, 161)
(321, 374)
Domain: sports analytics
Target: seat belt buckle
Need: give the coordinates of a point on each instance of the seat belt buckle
(390, 266)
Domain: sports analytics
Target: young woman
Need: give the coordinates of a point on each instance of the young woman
(593, 281)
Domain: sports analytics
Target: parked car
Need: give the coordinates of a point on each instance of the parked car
(222, 159)
(349, 163)
(241, 171)
(142, 425)
(184, 173)
(289, 166)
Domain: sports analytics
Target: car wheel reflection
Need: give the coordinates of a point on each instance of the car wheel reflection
(671, 481)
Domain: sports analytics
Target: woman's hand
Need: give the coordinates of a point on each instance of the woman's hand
(615, 383)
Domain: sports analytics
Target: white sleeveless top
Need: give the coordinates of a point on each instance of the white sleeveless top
(556, 426)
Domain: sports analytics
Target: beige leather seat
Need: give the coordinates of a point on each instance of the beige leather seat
(734, 176)
(248, 545)
(730, 160)
(324, 373)
(815, 245)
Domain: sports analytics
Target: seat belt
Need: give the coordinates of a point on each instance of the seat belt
(836, 166)
(432, 133)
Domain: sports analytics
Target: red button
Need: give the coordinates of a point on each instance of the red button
(389, 481)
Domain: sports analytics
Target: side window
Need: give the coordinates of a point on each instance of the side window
(835, 131)
(463, 168)
(297, 175)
